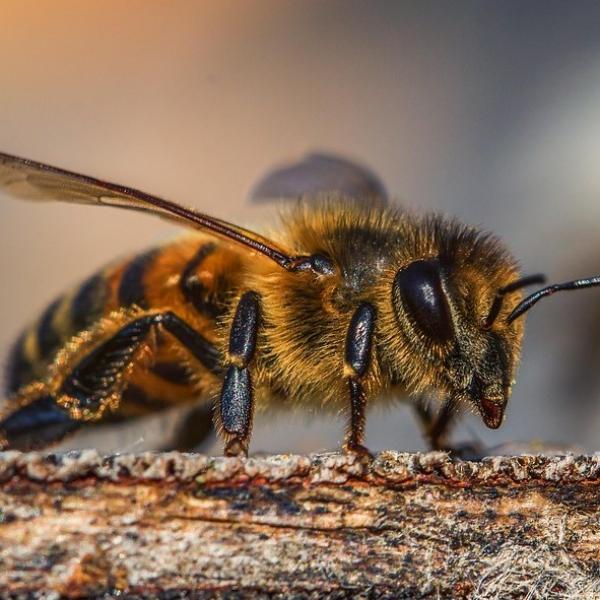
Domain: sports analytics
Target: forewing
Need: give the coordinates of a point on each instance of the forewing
(31, 180)
(320, 173)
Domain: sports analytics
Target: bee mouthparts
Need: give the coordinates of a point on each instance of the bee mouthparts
(492, 411)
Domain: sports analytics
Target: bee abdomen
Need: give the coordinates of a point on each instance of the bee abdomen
(19, 368)
(62, 319)
(48, 335)
(204, 271)
(192, 288)
(132, 287)
(88, 303)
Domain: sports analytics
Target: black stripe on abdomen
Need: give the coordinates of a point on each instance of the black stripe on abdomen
(19, 371)
(191, 286)
(85, 308)
(88, 303)
(49, 340)
(132, 289)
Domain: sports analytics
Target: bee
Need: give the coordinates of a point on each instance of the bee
(349, 301)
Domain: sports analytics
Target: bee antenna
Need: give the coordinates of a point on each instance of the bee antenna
(507, 289)
(530, 301)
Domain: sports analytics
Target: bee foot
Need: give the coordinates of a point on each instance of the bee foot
(361, 452)
(466, 451)
(236, 447)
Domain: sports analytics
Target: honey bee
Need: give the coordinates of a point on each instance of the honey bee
(349, 301)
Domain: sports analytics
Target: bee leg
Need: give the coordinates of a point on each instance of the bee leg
(436, 427)
(96, 379)
(36, 422)
(236, 404)
(196, 431)
(88, 385)
(357, 357)
(97, 382)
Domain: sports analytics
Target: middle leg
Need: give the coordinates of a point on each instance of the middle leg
(357, 359)
(236, 405)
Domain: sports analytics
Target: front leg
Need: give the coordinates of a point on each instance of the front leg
(357, 359)
(236, 405)
(436, 427)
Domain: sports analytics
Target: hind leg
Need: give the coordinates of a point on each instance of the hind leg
(195, 430)
(34, 420)
(90, 375)
(236, 403)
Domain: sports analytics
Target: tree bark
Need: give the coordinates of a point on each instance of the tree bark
(325, 526)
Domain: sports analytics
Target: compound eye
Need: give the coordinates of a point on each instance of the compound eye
(418, 290)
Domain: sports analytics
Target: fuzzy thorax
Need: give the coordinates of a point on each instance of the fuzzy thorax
(306, 315)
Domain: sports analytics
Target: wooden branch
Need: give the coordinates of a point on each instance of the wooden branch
(326, 526)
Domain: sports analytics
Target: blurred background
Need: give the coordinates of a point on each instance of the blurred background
(489, 111)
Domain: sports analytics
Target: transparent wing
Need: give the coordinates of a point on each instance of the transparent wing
(32, 180)
(318, 173)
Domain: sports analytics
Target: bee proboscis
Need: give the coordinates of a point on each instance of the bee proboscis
(351, 299)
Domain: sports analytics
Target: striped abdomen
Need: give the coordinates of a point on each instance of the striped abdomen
(64, 317)
(190, 277)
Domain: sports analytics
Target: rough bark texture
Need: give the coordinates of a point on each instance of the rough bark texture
(326, 526)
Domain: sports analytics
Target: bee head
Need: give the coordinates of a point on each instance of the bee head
(452, 342)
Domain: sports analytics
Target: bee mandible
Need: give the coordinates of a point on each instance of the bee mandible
(351, 299)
